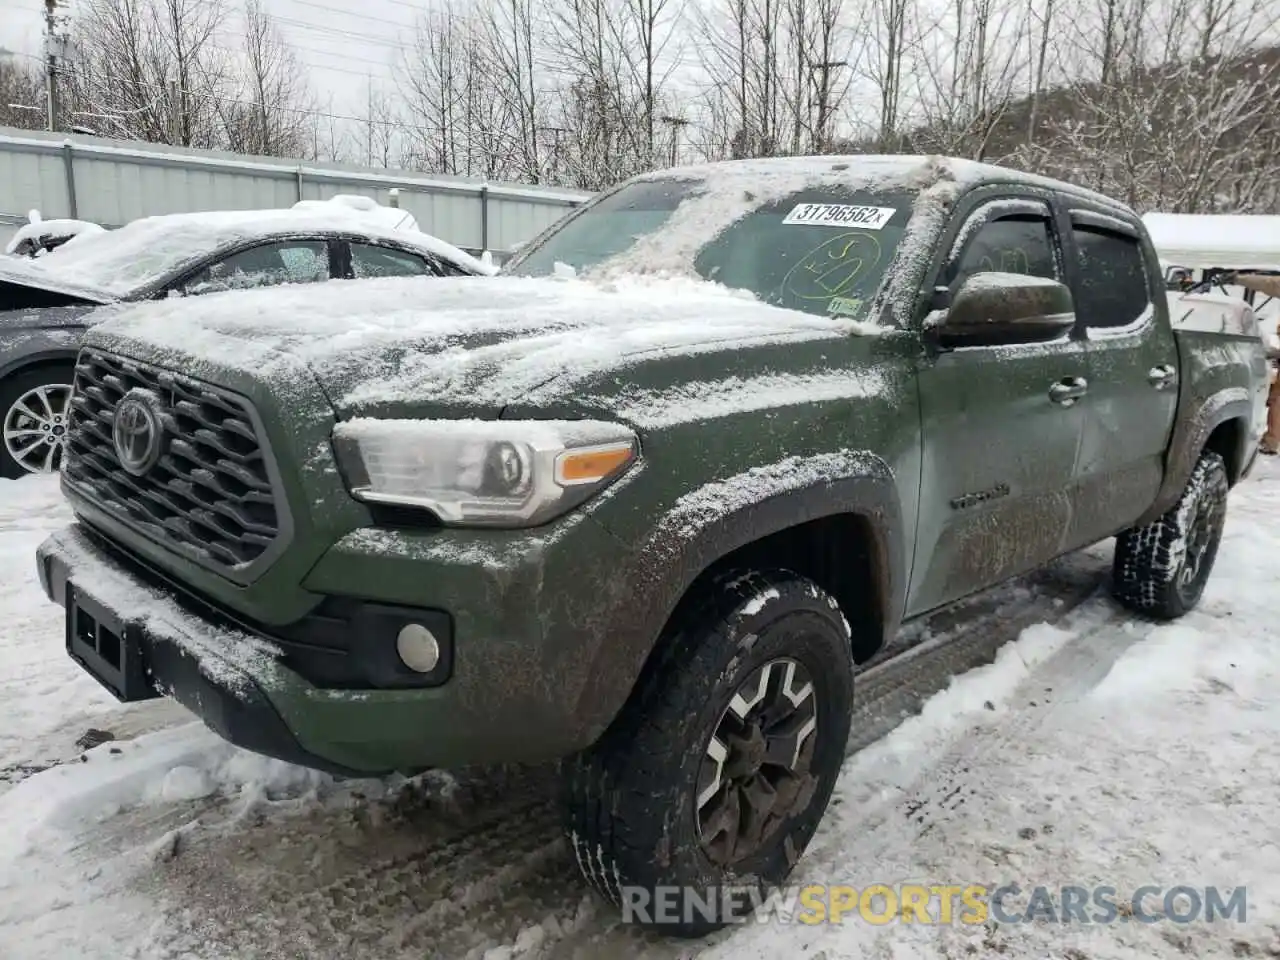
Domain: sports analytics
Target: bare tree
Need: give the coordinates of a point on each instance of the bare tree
(434, 82)
(655, 26)
(888, 63)
(745, 47)
(468, 108)
(382, 127)
(326, 137)
(512, 40)
(169, 71)
(272, 117)
(21, 93)
(1040, 29)
(961, 100)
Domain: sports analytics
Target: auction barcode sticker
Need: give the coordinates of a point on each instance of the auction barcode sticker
(839, 215)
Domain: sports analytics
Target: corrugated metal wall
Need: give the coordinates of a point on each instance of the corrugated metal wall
(112, 182)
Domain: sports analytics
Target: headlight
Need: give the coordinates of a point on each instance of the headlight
(501, 473)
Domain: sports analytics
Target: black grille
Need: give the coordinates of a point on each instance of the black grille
(210, 495)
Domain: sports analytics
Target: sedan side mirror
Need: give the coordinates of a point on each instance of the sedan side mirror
(993, 309)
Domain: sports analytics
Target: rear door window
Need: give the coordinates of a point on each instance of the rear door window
(368, 260)
(1112, 289)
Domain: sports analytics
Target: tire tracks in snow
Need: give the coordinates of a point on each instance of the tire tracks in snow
(889, 692)
(489, 875)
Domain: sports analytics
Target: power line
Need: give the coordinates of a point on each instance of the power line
(342, 34)
(351, 13)
(198, 95)
(297, 48)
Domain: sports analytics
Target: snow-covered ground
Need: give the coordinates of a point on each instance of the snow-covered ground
(1094, 750)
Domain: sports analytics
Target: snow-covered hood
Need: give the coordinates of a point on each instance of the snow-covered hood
(428, 346)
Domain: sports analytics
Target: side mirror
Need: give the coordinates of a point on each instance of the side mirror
(993, 309)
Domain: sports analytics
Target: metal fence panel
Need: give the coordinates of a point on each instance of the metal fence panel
(112, 182)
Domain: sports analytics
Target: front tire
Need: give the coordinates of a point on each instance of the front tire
(1160, 569)
(34, 407)
(717, 772)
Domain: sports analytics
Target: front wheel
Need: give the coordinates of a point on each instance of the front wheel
(1160, 569)
(710, 784)
(34, 407)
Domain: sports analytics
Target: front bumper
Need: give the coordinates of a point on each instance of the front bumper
(502, 701)
(156, 649)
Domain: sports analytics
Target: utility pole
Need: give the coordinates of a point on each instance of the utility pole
(675, 123)
(51, 61)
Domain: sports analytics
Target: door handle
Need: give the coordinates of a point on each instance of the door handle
(1068, 390)
(1161, 376)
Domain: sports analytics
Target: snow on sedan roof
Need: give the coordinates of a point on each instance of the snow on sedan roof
(142, 251)
(1229, 242)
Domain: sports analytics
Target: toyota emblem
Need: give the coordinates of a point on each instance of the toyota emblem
(138, 433)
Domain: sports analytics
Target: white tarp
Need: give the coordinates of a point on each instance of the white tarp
(1230, 242)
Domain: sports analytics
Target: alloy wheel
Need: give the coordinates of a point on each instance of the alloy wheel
(35, 427)
(756, 770)
(1203, 527)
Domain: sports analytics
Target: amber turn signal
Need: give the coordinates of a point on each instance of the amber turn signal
(592, 464)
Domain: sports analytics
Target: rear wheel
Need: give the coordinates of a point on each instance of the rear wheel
(34, 407)
(1161, 568)
(708, 787)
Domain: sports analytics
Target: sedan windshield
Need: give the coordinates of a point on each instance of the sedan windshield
(822, 248)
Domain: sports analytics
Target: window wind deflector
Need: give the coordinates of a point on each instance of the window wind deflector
(1101, 221)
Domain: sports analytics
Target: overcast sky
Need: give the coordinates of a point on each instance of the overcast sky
(342, 42)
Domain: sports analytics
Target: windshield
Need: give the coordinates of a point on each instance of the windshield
(822, 249)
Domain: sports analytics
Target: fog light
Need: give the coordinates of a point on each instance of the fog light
(418, 648)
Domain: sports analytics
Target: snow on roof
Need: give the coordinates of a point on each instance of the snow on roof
(141, 252)
(875, 171)
(392, 217)
(42, 230)
(1229, 242)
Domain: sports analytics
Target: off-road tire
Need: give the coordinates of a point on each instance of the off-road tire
(19, 385)
(1152, 573)
(630, 800)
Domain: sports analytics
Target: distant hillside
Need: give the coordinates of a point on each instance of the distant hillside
(1183, 137)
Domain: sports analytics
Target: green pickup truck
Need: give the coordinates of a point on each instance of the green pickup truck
(641, 503)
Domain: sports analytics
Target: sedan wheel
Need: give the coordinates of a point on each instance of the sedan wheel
(35, 429)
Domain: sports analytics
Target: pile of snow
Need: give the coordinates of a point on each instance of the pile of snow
(392, 218)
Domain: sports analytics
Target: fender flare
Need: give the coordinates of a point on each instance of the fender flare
(697, 533)
(39, 358)
(1189, 439)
